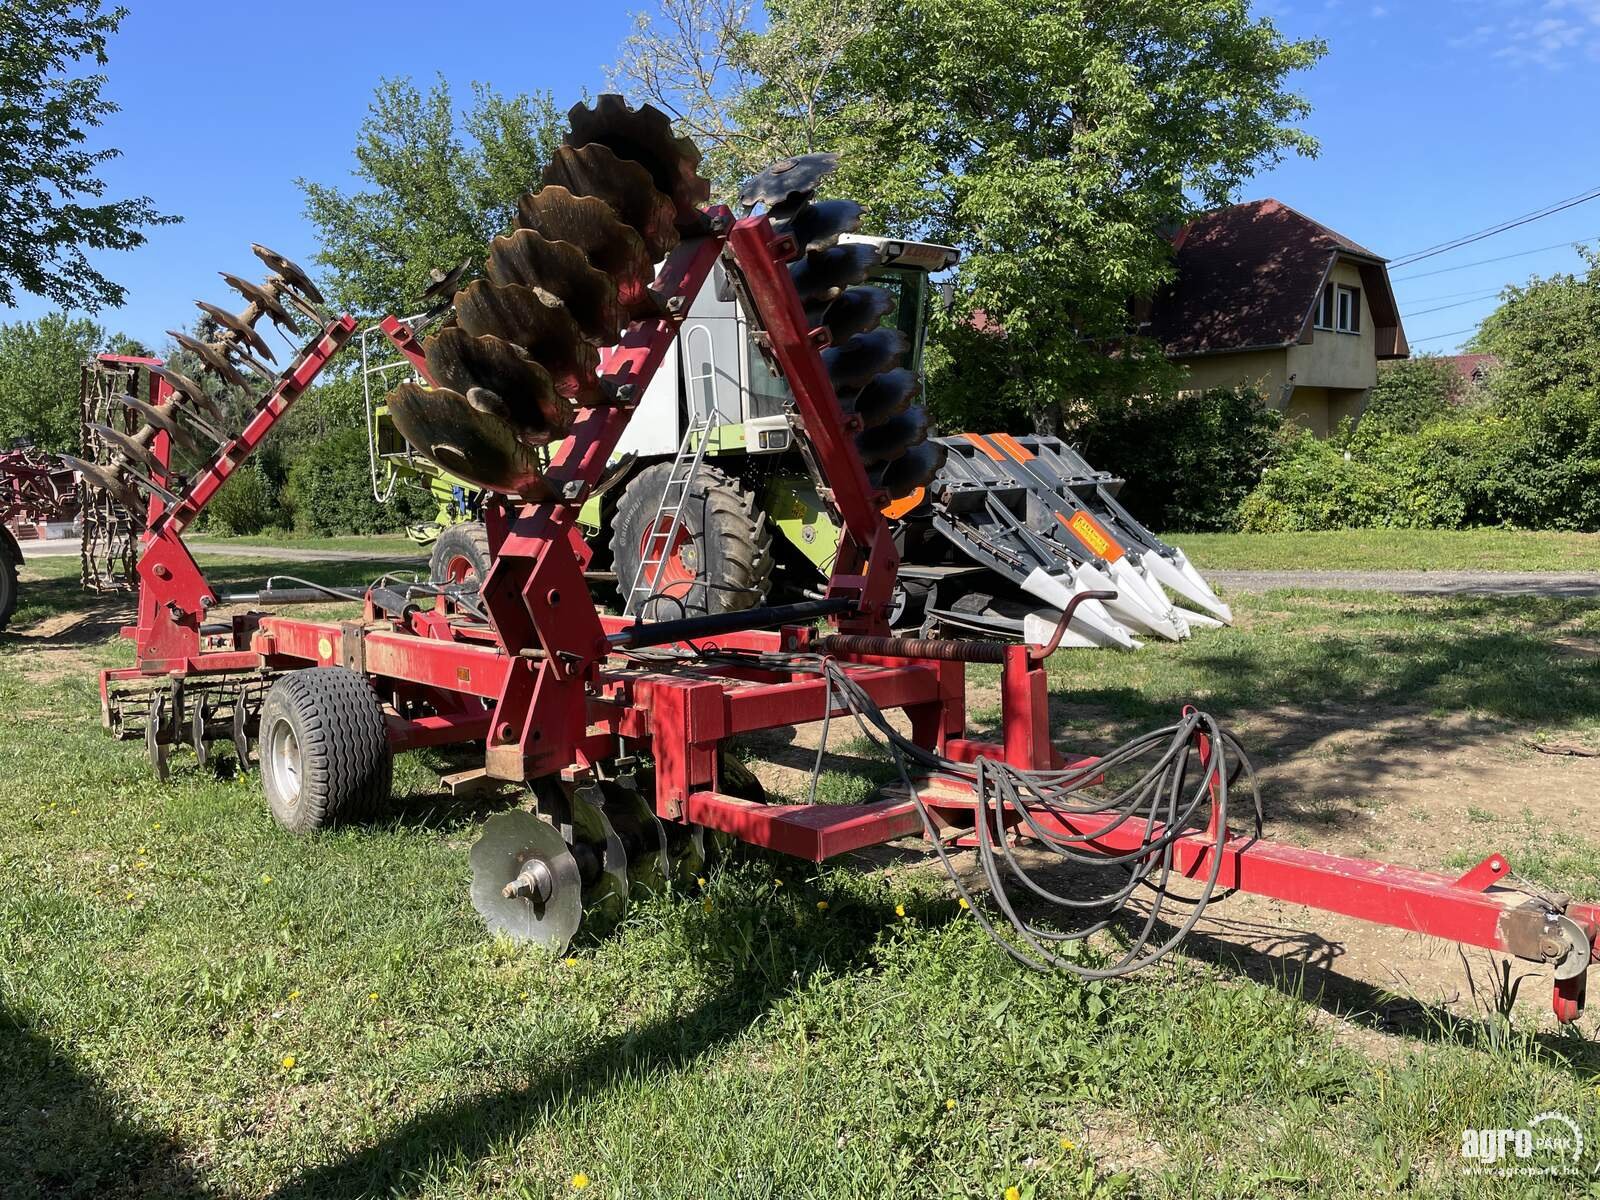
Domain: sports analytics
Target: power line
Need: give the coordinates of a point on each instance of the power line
(1405, 260)
(1450, 296)
(1458, 304)
(1502, 258)
(1434, 337)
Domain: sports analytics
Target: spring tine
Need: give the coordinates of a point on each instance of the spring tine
(237, 326)
(264, 300)
(468, 438)
(644, 135)
(625, 186)
(291, 274)
(217, 362)
(560, 268)
(189, 390)
(787, 179)
(548, 334)
(591, 224)
(460, 363)
(894, 437)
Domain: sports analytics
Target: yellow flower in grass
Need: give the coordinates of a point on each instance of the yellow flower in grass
(288, 1062)
(950, 1105)
(265, 879)
(900, 910)
(1013, 1193)
(822, 906)
(372, 997)
(963, 902)
(294, 994)
(701, 881)
(569, 962)
(1068, 1144)
(706, 904)
(580, 1181)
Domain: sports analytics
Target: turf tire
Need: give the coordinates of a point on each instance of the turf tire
(325, 724)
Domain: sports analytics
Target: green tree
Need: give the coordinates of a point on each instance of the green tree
(40, 362)
(1547, 333)
(435, 189)
(46, 171)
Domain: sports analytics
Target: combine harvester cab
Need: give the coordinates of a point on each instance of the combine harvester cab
(1033, 511)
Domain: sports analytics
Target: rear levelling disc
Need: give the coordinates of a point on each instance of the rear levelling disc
(525, 882)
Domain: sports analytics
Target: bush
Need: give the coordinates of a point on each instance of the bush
(1190, 459)
(245, 504)
(330, 488)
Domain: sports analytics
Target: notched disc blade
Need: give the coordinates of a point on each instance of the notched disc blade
(560, 268)
(787, 179)
(544, 330)
(852, 364)
(480, 446)
(262, 299)
(459, 362)
(886, 395)
(643, 838)
(110, 481)
(593, 226)
(888, 441)
(238, 327)
(605, 897)
(164, 421)
(916, 468)
(853, 311)
(823, 274)
(215, 360)
(445, 283)
(130, 447)
(292, 274)
(509, 842)
(645, 136)
(817, 226)
(625, 186)
(191, 391)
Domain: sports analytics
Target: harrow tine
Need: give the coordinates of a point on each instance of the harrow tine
(461, 363)
(469, 435)
(592, 225)
(188, 389)
(536, 321)
(239, 327)
(560, 268)
(788, 180)
(263, 300)
(644, 135)
(624, 185)
(288, 271)
(214, 359)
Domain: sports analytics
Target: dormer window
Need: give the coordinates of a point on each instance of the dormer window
(1339, 308)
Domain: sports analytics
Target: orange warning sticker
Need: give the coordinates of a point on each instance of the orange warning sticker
(1093, 535)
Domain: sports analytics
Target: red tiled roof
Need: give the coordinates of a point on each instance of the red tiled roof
(1248, 277)
(1468, 366)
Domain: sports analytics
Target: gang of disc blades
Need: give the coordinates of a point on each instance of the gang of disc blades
(818, 225)
(891, 439)
(591, 224)
(855, 362)
(854, 310)
(560, 268)
(885, 396)
(822, 274)
(470, 438)
(509, 842)
(787, 180)
(543, 330)
(644, 135)
(188, 389)
(625, 186)
(643, 838)
(459, 362)
(237, 326)
(264, 300)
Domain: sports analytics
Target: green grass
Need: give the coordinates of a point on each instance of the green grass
(1393, 550)
(166, 950)
(397, 543)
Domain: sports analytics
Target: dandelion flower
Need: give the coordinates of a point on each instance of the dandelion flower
(569, 962)
(701, 881)
(523, 996)
(129, 896)
(899, 910)
(372, 996)
(580, 1181)
(157, 825)
(266, 879)
(141, 850)
(963, 902)
(777, 883)
(950, 1105)
(1068, 1144)
(1013, 1193)
(288, 1062)
(294, 994)
(822, 906)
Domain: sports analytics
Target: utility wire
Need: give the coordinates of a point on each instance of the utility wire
(1436, 336)
(1440, 308)
(1502, 258)
(1548, 210)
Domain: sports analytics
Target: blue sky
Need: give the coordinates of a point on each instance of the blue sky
(1436, 118)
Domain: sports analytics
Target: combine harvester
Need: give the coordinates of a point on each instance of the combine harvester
(618, 725)
(982, 550)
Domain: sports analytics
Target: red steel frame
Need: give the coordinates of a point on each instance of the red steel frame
(546, 694)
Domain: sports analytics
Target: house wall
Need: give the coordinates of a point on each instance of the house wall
(1339, 360)
(1264, 370)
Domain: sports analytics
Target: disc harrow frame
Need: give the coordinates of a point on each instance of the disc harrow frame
(556, 690)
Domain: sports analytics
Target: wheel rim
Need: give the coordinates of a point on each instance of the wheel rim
(458, 568)
(676, 573)
(283, 761)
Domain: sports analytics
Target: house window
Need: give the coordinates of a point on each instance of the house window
(1348, 314)
(1324, 319)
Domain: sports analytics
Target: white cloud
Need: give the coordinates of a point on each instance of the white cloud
(1550, 35)
(1379, 12)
